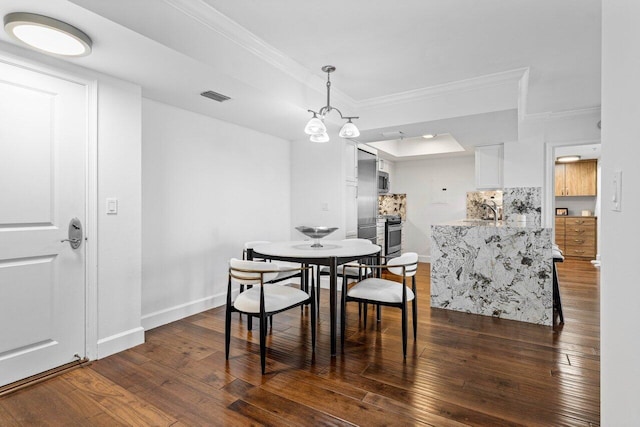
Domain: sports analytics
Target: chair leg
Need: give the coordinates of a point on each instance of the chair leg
(304, 283)
(227, 333)
(249, 317)
(312, 301)
(343, 317)
(415, 309)
(378, 312)
(263, 343)
(364, 311)
(318, 286)
(314, 317)
(404, 331)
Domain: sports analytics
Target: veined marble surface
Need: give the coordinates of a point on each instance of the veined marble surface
(493, 271)
(523, 201)
(393, 204)
(475, 199)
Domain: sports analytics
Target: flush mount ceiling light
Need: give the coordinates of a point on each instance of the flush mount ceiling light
(47, 34)
(429, 136)
(316, 127)
(568, 159)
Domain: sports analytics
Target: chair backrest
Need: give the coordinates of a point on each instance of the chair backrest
(250, 272)
(408, 259)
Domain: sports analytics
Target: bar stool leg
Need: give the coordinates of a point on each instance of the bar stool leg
(557, 302)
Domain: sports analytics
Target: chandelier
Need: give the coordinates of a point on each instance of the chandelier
(316, 128)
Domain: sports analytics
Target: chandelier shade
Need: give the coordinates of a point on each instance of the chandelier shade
(349, 130)
(316, 127)
(319, 137)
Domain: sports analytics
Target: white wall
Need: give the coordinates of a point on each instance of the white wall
(318, 179)
(427, 204)
(208, 187)
(119, 236)
(620, 293)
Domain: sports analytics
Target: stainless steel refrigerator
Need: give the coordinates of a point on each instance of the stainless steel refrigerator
(367, 196)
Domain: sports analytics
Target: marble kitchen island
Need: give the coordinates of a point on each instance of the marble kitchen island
(499, 270)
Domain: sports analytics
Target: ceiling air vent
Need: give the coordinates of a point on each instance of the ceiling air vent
(215, 96)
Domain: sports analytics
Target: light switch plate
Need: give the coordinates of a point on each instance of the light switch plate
(112, 206)
(616, 199)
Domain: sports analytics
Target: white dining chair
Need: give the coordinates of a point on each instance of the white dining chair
(288, 269)
(262, 298)
(386, 292)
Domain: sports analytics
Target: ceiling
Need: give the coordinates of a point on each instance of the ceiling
(412, 66)
(586, 151)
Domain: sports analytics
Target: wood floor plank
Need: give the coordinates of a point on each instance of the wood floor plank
(280, 408)
(116, 401)
(462, 370)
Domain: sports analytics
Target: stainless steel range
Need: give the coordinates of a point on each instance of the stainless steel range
(393, 236)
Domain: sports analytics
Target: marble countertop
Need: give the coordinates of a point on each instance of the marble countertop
(473, 223)
(486, 223)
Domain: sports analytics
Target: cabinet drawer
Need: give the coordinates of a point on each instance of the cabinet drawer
(579, 231)
(580, 241)
(582, 222)
(579, 251)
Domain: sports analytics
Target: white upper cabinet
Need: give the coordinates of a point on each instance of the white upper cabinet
(351, 161)
(489, 161)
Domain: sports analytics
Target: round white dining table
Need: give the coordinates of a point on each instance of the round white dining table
(332, 253)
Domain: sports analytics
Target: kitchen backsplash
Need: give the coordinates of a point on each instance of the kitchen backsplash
(525, 201)
(513, 202)
(475, 199)
(393, 204)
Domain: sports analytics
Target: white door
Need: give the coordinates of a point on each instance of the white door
(43, 134)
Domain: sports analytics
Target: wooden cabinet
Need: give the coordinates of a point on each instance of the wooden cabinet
(576, 179)
(576, 236)
(489, 160)
(560, 232)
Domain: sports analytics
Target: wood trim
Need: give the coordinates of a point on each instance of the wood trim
(43, 376)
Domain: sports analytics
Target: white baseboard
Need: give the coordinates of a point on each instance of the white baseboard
(120, 342)
(171, 314)
(424, 258)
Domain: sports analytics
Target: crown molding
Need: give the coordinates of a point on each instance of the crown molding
(208, 16)
(489, 80)
(574, 113)
(559, 115)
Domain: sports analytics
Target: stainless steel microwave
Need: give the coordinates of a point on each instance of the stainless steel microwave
(383, 182)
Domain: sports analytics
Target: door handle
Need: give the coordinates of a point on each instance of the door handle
(75, 233)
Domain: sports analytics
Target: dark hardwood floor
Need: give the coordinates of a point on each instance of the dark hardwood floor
(463, 370)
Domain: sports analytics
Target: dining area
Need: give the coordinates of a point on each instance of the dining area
(356, 264)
